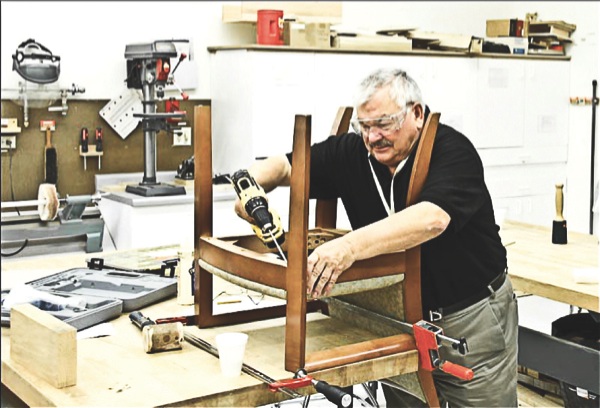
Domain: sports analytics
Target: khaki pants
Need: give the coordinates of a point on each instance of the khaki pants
(490, 327)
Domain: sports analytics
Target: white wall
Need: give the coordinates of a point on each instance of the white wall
(90, 37)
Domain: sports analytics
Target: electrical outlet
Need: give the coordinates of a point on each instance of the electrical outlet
(9, 142)
(182, 137)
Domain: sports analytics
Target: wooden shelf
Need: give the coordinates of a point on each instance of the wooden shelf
(285, 48)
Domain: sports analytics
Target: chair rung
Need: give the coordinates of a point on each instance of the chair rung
(352, 353)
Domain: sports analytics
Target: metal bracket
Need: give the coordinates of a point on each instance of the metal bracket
(119, 112)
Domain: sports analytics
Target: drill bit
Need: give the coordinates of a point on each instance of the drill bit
(277, 245)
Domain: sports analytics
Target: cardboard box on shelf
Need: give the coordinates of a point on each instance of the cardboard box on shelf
(504, 28)
(314, 35)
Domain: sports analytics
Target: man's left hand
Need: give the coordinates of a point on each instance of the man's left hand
(326, 264)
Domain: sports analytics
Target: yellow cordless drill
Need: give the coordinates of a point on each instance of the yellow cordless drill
(254, 200)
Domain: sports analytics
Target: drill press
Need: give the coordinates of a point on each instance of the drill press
(149, 69)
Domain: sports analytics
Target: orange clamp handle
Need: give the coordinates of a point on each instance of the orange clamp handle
(456, 370)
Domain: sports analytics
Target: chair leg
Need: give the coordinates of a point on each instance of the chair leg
(428, 386)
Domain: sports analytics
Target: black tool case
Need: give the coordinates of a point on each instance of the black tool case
(108, 293)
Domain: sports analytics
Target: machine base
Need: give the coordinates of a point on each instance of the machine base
(155, 190)
(41, 238)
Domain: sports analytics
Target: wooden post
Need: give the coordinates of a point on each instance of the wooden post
(295, 323)
(203, 210)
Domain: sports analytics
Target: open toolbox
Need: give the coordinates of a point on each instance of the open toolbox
(106, 293)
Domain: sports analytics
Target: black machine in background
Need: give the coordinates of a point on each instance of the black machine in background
(185, 171)
(149, 69)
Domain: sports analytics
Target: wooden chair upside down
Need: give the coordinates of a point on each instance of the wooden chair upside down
(243, 256)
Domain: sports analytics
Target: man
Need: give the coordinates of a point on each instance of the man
(465, 289)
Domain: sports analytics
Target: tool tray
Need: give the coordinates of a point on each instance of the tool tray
(108, 293)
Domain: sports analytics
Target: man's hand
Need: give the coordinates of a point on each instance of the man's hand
(326, 264)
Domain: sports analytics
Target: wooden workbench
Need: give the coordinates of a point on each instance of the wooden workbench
(539, 267)
(115, 371)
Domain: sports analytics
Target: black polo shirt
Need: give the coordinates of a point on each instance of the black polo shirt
(466, 257)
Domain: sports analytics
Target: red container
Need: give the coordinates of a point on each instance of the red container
(269, 27)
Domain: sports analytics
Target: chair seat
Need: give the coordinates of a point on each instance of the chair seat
(340, 289)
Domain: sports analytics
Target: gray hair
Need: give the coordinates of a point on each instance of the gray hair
(403, 89)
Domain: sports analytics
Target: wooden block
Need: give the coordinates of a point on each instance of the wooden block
(372, 43)
(44, 345)
(497, 28)
(317, 35)
(10, 125)
(185, 183)
(91, 151)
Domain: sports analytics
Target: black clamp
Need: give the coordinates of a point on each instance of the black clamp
(96, 264)
(167, 269)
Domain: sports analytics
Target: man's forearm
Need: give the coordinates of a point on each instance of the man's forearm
(403, 230)
(271, 172)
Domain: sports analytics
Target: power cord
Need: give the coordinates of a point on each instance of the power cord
(17, 251)
(107, 229)
(12, 195)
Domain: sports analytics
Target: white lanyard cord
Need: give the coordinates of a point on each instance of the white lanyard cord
(389, 210)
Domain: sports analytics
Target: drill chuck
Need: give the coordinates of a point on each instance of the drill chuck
(256, 207)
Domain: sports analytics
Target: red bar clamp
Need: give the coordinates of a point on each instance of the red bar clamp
(428, 337)
(291, 383)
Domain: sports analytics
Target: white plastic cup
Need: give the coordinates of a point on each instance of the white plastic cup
(232, 347)
(185, 293)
